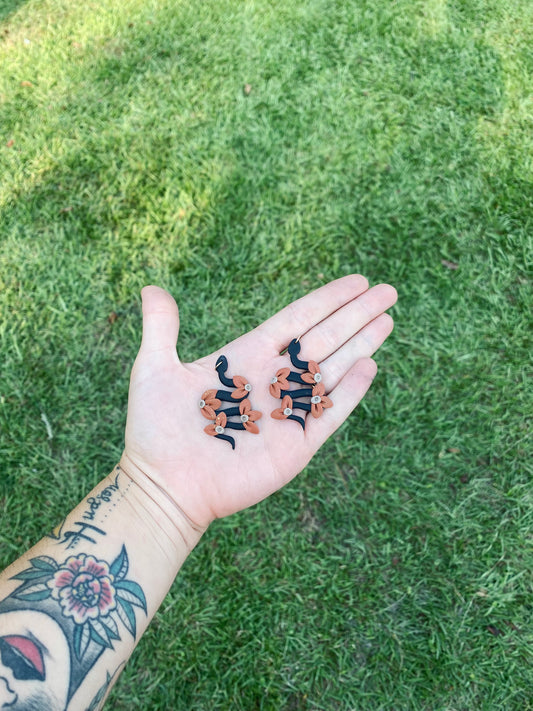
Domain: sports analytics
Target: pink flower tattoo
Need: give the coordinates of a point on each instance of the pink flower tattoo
(95, 595)
(83, 586)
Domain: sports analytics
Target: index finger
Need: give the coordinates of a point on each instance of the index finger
(297, 318)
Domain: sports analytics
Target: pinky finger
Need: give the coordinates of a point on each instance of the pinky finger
(346, 396)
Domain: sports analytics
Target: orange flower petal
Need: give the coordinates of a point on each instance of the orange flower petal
(210, 430)
(308, 378)
(286, 402)
(278, 414)
(313, 370)
(221, 420)
(245, 407)
(280, 383)
(319, 389)
(275, 389)
(254, 415)
(326, 402)
(208, 412)
(314, 367)
(250, 427)
(239, 381)
(240, 392)
(209, 395)
(316, 410)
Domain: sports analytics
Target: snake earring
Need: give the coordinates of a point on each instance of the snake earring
(211, 406)
(311, 398)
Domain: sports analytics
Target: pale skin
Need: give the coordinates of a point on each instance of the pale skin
(174, 479)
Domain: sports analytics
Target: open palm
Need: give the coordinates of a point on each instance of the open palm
(340, 326)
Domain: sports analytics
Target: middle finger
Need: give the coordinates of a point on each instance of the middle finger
(329, 335)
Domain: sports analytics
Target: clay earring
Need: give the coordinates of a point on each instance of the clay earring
(307, 399)
(211, 406)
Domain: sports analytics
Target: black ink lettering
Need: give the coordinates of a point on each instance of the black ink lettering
(104, 496)
(74, 537)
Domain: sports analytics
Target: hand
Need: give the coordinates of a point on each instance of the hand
(341, 325)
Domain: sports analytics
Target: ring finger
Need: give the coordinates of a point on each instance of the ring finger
(324, 339)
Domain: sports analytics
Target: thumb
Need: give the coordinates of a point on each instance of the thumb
(160, 319)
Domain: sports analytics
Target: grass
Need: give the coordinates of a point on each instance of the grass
(390, 138)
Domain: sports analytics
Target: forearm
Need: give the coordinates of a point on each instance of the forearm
(74, 606)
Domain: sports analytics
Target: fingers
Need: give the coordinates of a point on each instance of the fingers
(331, 333)
(300, 316)
(345, 396)
(160, 320)
(363, 345)
(342, 344)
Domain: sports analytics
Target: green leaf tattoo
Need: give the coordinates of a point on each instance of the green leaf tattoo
(95, 596)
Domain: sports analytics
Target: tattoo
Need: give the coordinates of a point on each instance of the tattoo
(87, 600)
(99, 698)
(72, 538)
(98, 508)
(102, 497)
(22, 656)
(89, 591)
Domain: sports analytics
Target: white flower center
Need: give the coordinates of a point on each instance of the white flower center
(219, 429)
(244, 418)
(315, 399)
(202, 403)
(274, 380)
(247, 387)
(287, 411)
(318, 377)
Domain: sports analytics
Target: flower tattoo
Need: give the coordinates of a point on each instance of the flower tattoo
(94, 595)
(84, 589)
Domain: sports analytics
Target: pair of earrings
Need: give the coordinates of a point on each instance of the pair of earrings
(311, 398)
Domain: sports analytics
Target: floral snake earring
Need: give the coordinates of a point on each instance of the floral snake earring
(211, 406)
(315, 399)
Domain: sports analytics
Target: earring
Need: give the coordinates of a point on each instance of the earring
(211, 406)
(307, 399)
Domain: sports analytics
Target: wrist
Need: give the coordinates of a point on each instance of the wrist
(160, 508)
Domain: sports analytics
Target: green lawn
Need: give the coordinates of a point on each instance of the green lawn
(388, 137)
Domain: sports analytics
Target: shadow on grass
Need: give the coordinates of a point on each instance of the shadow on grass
(277, 161)
(8, 8)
